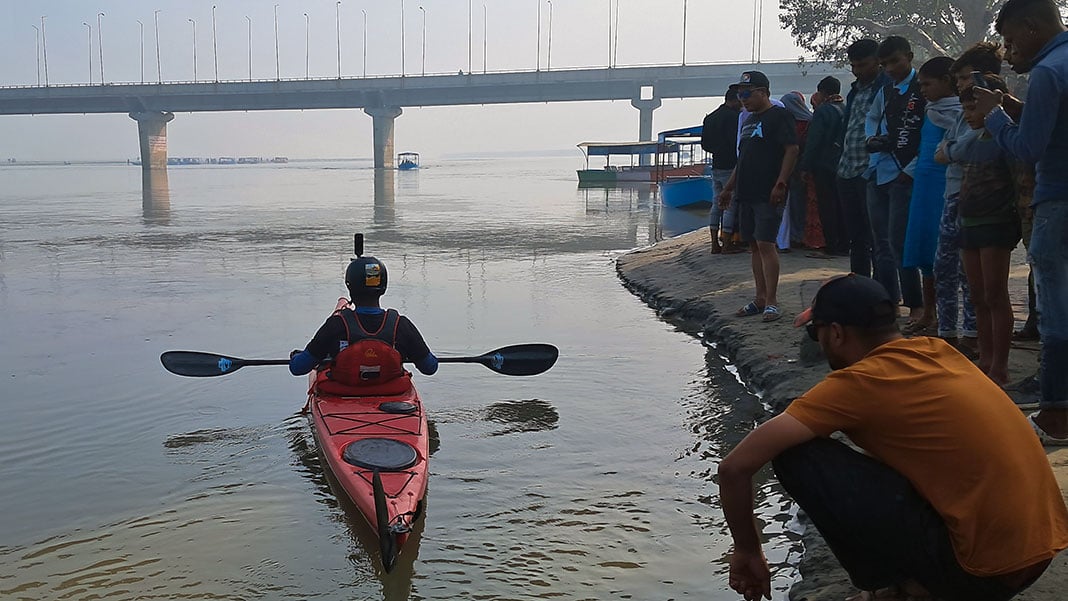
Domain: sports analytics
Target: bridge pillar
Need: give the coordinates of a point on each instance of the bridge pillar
(645, 122)
(383, 117)
(152, 130)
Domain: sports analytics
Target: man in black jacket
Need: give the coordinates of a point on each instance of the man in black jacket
(719, 137)
(820, 162)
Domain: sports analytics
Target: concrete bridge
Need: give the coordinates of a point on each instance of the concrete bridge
(384, 98)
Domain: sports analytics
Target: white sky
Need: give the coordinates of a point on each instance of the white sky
(648, 32)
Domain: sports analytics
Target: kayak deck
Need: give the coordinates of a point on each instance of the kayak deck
(361, 435)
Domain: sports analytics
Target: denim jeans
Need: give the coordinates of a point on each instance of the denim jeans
(949, 276)
(1049, 262)
(853, 197)
(888, 209)
(721, 218)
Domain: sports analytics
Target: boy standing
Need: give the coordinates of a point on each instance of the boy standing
(893, 129)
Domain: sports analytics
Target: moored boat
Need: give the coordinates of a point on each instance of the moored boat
(640, 169)
(687, 192)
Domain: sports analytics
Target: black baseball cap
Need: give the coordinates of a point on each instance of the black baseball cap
(850, 300)
(755, 79)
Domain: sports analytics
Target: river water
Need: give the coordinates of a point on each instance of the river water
(594, 480)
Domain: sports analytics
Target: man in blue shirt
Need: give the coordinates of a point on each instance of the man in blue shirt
(1036, 41)
(893, 130)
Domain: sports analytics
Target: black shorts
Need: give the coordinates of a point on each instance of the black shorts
(759, 220)
(993, 235)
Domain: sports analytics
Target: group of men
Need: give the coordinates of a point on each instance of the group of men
(944, 490)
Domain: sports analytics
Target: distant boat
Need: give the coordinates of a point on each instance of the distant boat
(249, 160)
(227, 160)
(280, 160)
(407, 161)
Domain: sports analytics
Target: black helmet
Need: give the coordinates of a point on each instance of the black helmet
(366, 276)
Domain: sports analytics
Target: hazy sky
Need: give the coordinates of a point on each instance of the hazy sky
(648, 32)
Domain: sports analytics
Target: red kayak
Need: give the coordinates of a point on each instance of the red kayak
(376, 442)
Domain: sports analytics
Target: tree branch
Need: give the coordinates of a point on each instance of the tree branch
(903, 29)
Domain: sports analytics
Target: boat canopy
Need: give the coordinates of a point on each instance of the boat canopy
(631, 148)
(408, 155)
(685, 132)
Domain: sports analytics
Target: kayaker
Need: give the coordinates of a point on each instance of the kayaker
(368, 344)
(954, 498)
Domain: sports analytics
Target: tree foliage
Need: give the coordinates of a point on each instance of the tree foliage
(934, 27)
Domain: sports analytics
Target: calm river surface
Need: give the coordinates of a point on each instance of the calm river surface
(120, 480)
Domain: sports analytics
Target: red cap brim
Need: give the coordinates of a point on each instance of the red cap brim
(803, 318)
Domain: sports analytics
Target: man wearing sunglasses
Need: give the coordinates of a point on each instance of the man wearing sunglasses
(767, 152)
(953, 496)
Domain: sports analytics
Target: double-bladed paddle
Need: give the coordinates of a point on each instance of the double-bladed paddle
(515, 360)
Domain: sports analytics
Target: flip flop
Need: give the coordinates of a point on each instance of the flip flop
(771, 313)
(749, 310)
(1045, 439)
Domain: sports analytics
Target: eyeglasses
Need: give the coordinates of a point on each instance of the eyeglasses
(813, 330)
(745, 94)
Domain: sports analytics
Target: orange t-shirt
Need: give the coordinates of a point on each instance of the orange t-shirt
(927, 412)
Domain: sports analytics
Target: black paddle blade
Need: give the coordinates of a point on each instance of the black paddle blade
(521, 359)
(199, 365)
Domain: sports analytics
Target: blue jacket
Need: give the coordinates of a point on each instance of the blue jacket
(1041, 137)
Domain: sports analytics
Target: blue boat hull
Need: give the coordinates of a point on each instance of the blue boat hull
(687, 191)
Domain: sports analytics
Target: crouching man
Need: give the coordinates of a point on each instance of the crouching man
(953, 496)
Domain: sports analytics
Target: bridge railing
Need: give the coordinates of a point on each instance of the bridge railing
(570, 68)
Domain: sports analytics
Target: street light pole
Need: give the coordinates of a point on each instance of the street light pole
(89, 30)
(538, 67)
(684, 3)
(194, 49)
(469, 26)
(485, 43)
(277, 70)
(100, 46)
(141, 36)
(549, 57)
(307, 45)
(249, 47)
(615, 36)
(423, 10)
(159, 70)
(44, 49)
(37, 51)
(609, 34)
(402, 37)
(214, 44)
(364, 42)
(337, 27)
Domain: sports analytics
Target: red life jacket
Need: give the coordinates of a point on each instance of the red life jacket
(370, 364)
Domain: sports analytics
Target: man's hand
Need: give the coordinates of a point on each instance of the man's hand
(987, 100)
(940, 154)
(778, 194)
(750, 576)
(725, 196)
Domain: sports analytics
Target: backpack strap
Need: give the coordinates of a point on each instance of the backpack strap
(387, 332)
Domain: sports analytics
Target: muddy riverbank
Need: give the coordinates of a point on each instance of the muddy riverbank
(684, 282)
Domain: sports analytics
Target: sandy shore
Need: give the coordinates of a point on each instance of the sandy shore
(684, 282)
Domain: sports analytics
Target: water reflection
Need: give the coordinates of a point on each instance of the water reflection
(530, 415)
(363, 553)
(385, 197)
(155, 197)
